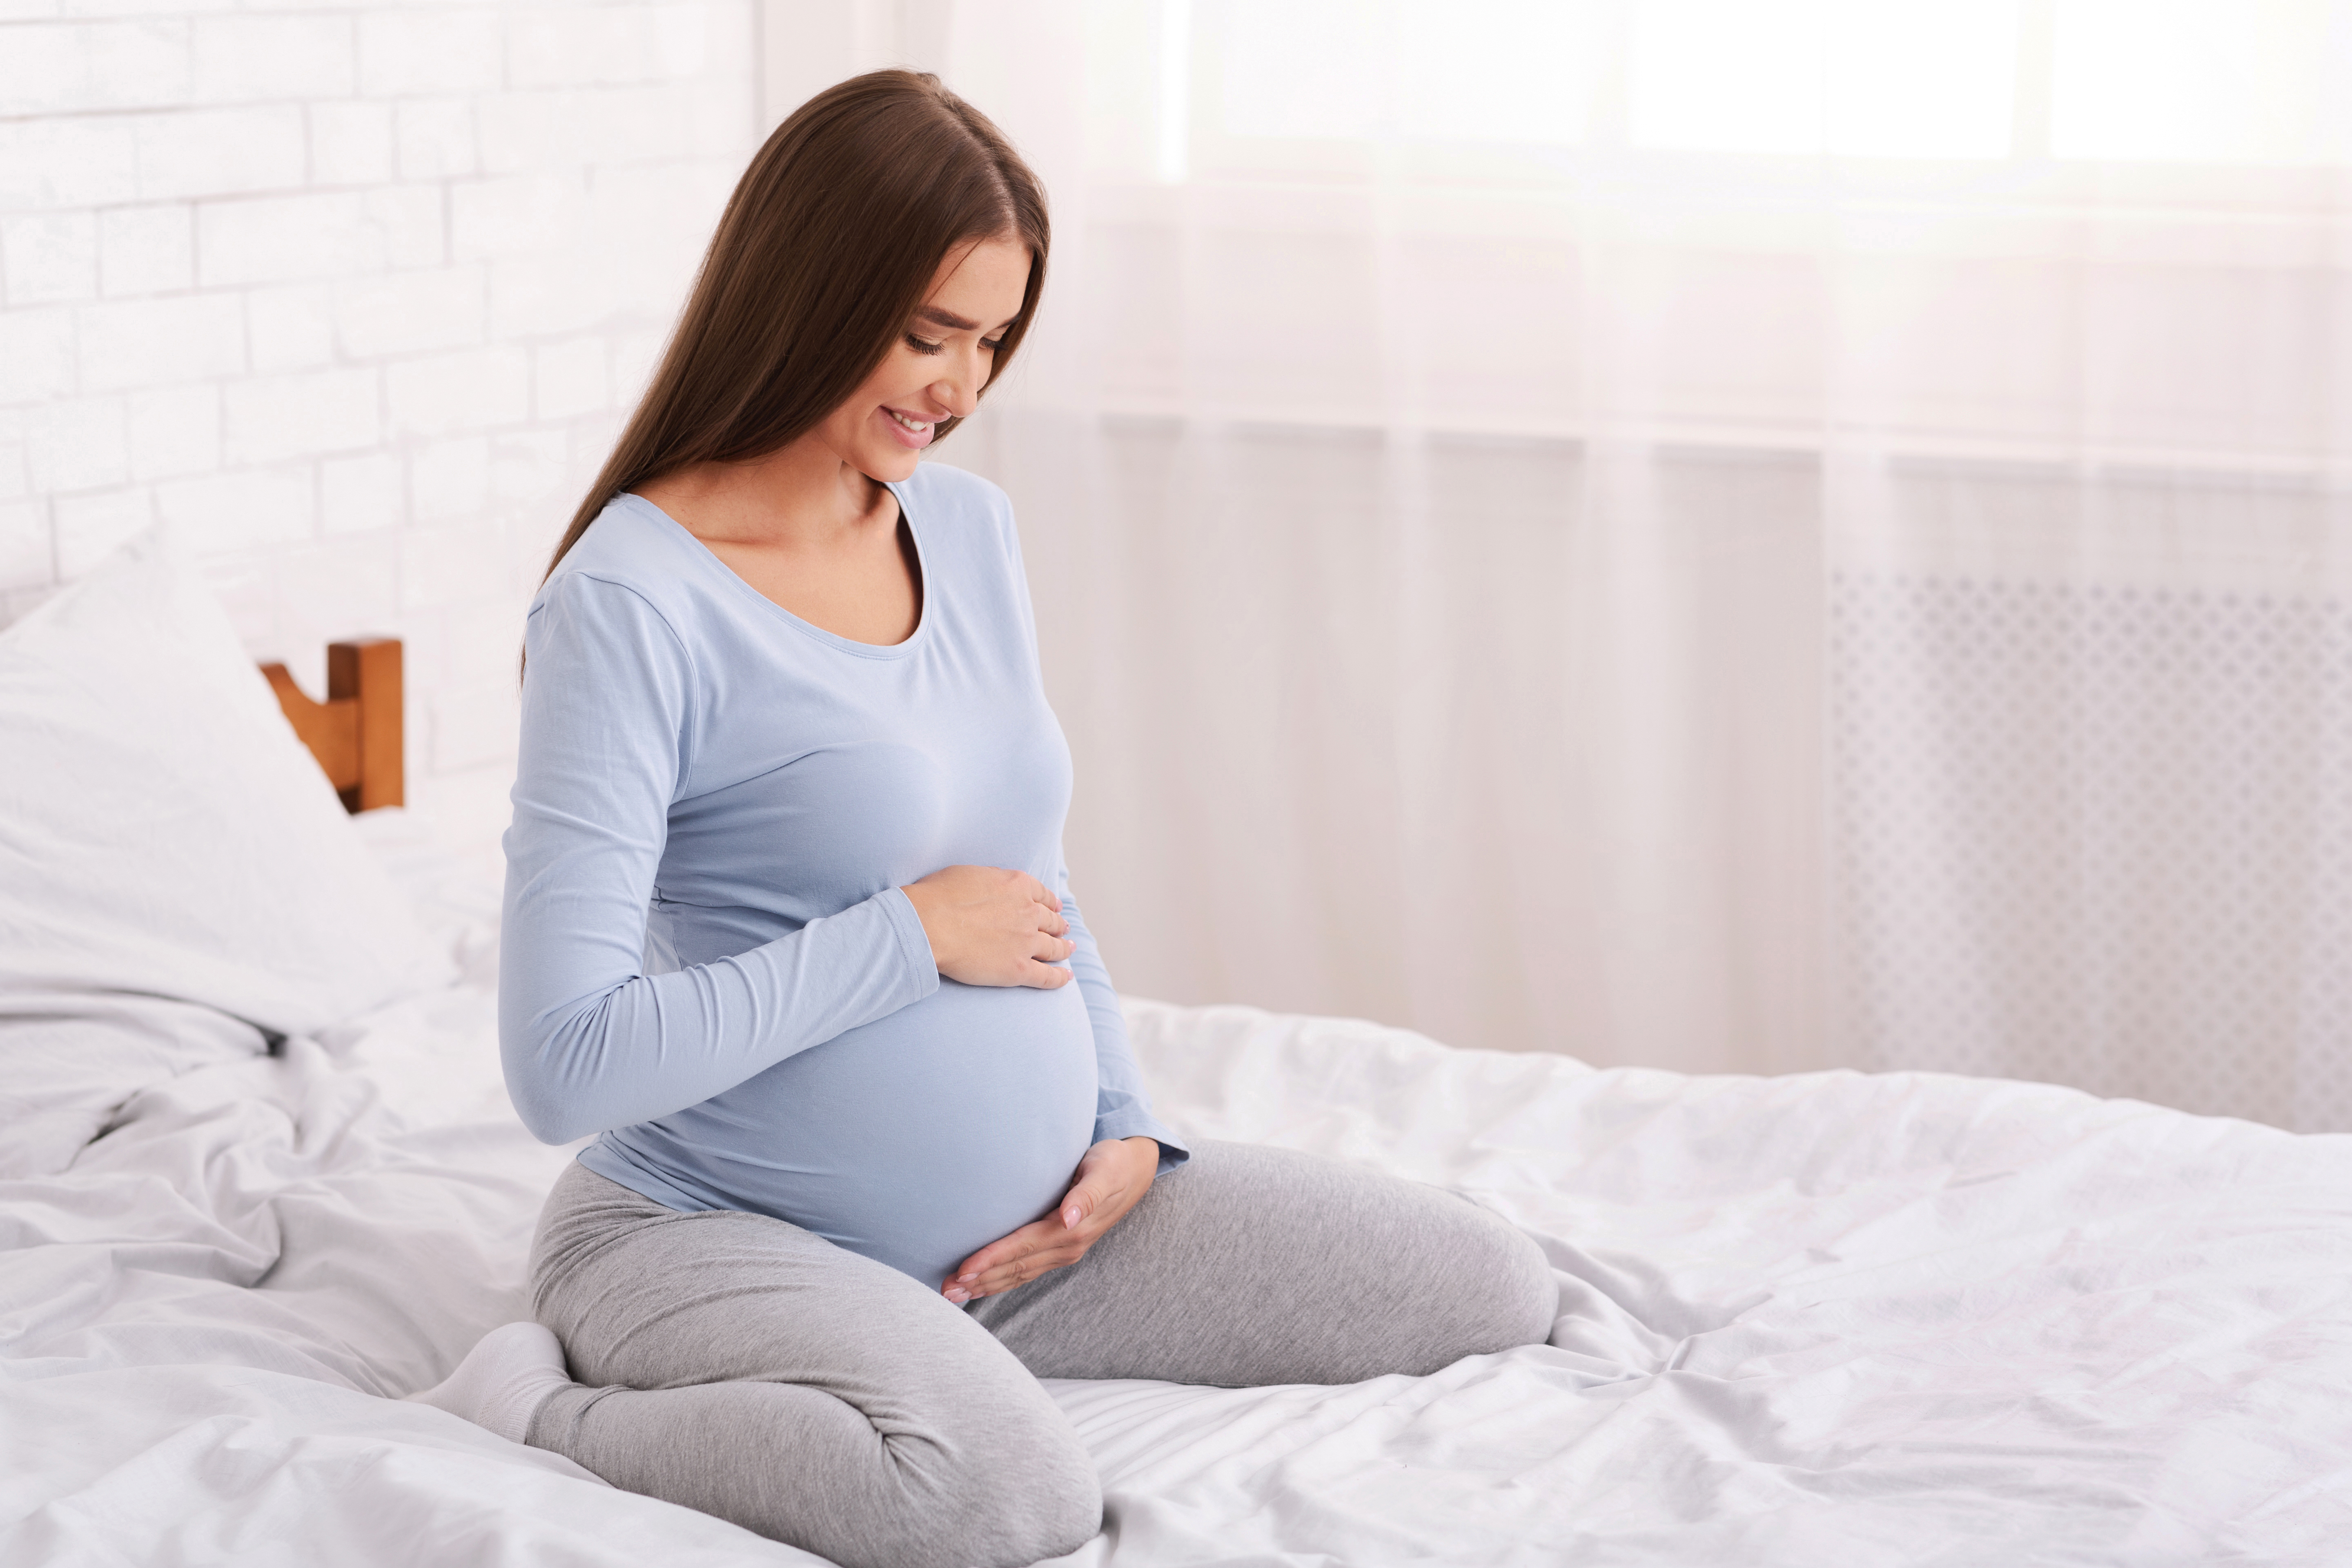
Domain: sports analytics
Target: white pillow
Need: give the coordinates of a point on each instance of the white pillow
(164, 835)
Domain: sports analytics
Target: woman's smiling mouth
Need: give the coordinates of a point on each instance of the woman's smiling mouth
(910, 433)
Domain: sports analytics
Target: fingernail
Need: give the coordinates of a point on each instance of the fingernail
(1070, 1216)
(966, 1278)
(958, 1295)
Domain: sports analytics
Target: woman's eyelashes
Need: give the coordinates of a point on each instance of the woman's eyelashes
(925, 346)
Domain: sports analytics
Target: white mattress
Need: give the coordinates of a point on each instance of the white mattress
(1812, 1321)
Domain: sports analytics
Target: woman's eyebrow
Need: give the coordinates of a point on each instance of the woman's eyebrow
(951, 320)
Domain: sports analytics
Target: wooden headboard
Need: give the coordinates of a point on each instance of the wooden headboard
(356, 732)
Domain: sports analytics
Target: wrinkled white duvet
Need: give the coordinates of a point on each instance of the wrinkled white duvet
(1827, 1320)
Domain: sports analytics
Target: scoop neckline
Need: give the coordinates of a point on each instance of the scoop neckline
(901, 650)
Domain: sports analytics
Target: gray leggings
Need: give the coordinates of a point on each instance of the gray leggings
(745, 1367)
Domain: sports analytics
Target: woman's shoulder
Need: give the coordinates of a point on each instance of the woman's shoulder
(630, 549)
(624, 584)
(950, 495)
(966, 521)
(628, 540)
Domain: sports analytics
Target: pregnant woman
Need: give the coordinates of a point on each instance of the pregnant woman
(787, 931)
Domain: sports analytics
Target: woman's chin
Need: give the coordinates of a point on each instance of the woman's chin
(888, 467)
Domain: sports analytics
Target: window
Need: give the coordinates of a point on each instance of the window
(1189, 89)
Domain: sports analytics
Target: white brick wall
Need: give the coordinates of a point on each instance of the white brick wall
(352, 299)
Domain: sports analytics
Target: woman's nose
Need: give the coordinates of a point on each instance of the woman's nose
(958, 390)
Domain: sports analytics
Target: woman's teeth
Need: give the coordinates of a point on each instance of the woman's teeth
(919, 427)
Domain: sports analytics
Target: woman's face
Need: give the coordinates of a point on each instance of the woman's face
(939, 365)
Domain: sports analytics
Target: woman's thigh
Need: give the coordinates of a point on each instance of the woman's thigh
(748, 1368)
(645, 1297)
(1251, 1266)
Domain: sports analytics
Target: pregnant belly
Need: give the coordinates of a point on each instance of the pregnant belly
(916, 1140)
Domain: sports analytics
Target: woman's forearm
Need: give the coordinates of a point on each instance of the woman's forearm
(645, 1046)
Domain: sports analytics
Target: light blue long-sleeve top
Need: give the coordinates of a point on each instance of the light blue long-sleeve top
(706, 957)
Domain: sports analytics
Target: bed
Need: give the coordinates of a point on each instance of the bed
(1834, 1317)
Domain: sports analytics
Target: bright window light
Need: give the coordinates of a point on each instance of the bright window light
(1923, 80)
(2257, 81)
(1445, 70)
(1895, 78)
(1306, 68)
(1172, 145)
(1721, 75)
(1494, 70)
(2196, 82)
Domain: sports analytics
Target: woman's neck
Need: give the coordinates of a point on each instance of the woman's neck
(801, 499)
(814, 534)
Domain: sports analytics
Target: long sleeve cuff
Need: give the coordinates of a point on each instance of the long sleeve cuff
(1132, 1123)
(913, 941)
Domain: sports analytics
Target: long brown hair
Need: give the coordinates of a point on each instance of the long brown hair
(826, 247)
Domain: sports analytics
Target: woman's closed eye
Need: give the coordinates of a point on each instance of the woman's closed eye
(925, 346)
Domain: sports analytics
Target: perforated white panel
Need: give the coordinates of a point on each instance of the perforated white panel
(2101, 838)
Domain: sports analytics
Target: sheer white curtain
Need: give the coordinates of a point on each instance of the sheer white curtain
(1721, 534)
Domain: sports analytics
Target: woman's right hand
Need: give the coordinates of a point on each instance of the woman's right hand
(989, 926)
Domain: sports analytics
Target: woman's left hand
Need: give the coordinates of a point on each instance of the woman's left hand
(1112, 1178)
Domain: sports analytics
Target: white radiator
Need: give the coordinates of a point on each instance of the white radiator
(2099, 836)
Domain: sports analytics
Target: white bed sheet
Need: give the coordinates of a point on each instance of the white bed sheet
(1830, 1319)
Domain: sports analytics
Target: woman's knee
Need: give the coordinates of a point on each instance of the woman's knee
(1015, 1487)
(1509, 1297)
(1459, 1280)
(1486, 1283)
(1042, 1499)
(1317, 1270)
(995, 1484)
